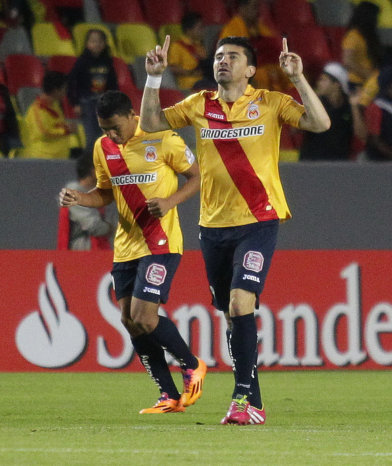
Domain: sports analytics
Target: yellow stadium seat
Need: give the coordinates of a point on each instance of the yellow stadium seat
(47, 42)
(134, 40)
(174, 30)
(80, 31)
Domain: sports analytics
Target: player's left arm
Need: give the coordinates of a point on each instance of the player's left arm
(315, 118)
(158, 207)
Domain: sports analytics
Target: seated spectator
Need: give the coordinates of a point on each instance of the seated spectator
(188, 57)
(92, 75)
(48, 132)
(266, 42)
(375, 125)
(362, 51)
(9, 133)
(334, 144)
(82, 228)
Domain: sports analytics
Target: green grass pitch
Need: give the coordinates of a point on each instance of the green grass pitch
(313, 418)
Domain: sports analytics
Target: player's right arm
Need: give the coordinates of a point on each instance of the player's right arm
(152, 117)
(97, 197)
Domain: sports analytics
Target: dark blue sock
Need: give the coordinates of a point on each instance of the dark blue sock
(254, 391)
(243, 348)
(168, 336)
(153, 359)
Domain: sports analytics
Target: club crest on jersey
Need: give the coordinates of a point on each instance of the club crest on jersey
(253, 112)
(150, 154)
(253, 260)
(156, 274)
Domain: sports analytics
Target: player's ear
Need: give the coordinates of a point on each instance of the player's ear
(250, 71)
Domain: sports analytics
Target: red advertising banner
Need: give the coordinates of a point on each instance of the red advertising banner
(319, 310)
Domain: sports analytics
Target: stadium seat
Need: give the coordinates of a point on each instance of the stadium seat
(156, 16)
(61, 63)
(169, 97)
(80, 30)
(333, 12)
(292, 13)
(334, 35)
(134, 40)
(23, 71)
(174, 30)
(91, 13)
(124, 77)
(47, 41)
(212, 11)
(136, 98)
(122, 11)
(211, 36)
(15, 40)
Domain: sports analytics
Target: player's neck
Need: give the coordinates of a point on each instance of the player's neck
(231, 92)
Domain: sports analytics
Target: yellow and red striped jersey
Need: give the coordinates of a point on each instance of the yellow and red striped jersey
(238, 153)
(143, 168)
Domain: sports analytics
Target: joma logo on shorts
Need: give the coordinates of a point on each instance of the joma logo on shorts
(251, 277)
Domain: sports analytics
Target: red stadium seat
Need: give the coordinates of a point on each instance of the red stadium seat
(212, 11)
(156, 15)
(169, 97)
(290, 13)
(23, 71)
(61, 63)
(124, 77)
(334, 35)
(136, 98)
(121, 11)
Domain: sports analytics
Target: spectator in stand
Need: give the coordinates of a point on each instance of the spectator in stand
(334, 144)
(362, 52)
(81, 228)
(9, 133)
(92, 75)
(188, 59)
(266, 41)
(48, 132)
(374, 124)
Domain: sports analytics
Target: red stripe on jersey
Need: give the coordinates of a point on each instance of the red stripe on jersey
(151, 227)
(238, 166)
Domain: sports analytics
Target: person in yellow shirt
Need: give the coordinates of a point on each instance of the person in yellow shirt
(48, 133)
(188, 59)
(139, 171)
(265, 40)
(242, 200)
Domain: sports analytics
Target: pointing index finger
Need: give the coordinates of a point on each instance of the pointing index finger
(284, 44)
(166, 44)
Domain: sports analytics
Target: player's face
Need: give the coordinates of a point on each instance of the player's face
(119, 128)
(231, 64)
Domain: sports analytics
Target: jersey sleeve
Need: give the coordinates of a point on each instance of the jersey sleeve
(181, 114)
(290, 111)
(176, 153)
(103, 180)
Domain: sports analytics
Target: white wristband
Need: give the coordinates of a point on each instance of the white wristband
(153, 81)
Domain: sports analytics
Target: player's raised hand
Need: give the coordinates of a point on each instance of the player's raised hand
(290, 63)
(156, 59)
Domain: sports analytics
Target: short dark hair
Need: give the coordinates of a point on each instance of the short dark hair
(53, 80)
(84, 165)
(241, 42)
(189, 20)
(113, 103)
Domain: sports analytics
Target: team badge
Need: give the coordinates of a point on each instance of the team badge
(150, 154)
(156, 274)
(254, 261)
(253, 112)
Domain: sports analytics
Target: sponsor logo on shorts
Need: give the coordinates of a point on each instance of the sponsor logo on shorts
(147, 289)
(251, 277)
(140, 178)
(156, 274)
(232, 133)
(254, 261)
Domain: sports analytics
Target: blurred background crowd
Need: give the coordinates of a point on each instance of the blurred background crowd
(58, 56)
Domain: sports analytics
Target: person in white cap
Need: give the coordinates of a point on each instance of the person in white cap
(334, 144)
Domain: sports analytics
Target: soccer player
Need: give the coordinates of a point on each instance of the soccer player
(139, 171)
(242, 200)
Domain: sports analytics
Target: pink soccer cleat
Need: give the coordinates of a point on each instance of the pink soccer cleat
(238, 412)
